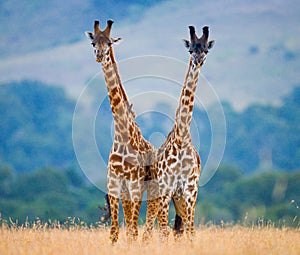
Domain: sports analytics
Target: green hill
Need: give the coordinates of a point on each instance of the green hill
(36, 130)
(36, 126)
(39, 175)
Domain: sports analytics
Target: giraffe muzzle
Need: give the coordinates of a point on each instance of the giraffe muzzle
(99, 58)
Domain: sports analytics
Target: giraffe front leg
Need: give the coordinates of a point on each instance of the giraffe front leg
(126, 204)
(114, 229)
(133, 228)
(163, 217)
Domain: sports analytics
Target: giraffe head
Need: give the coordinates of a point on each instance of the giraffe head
(198, 47)
(101, 40)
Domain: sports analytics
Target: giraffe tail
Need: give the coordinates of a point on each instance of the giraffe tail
(177, 228)
(105, 210)
(178, 224)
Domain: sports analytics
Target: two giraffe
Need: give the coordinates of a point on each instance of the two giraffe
(174, 167)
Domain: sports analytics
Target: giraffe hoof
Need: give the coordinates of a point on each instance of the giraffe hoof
(146, 237)
(164, 234)
(114, 234)
(113, 239)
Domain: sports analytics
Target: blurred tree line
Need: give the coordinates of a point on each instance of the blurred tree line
(39, 175)
(259, 138)
(229, 196)
(36, 126)
(48, 194)
(36, 130)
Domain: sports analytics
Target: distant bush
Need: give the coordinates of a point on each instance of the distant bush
(228, 197)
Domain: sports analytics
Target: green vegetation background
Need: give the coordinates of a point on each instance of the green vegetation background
(39, 175)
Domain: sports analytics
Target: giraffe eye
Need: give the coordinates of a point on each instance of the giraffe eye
(93, 44)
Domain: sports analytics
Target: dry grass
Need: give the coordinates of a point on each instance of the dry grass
(42, 239)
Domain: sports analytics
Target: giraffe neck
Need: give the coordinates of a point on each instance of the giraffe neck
(120, 106)
(184, 111)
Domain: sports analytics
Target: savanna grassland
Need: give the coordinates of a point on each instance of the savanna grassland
(42, 239)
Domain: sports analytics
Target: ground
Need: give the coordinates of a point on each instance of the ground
(208, 240)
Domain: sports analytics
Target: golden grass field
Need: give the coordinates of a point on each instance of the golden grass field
(38, 240)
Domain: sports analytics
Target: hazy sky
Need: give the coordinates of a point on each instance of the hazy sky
(255, 58)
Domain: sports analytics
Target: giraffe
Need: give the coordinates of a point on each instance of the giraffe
(129, 164)
(178, 162)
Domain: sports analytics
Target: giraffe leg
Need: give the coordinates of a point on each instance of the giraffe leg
(163, 220)
(152, 211)
(126, 204)
(114, 230)
(190, 230)
(133, 228)
(191, 218)
(152, 208)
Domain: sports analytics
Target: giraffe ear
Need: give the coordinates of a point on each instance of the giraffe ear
(89, 35)
(186, 43)
(211, 44)
(117, 40)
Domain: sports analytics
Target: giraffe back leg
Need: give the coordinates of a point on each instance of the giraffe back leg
(190, 213)
(152, 211)
(114, 230)
(152, 208)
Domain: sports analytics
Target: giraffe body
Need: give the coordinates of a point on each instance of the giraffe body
(178, 162)
(130, 160)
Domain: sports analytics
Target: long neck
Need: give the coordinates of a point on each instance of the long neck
(121, 110)
(126, 128)
(184, 111)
